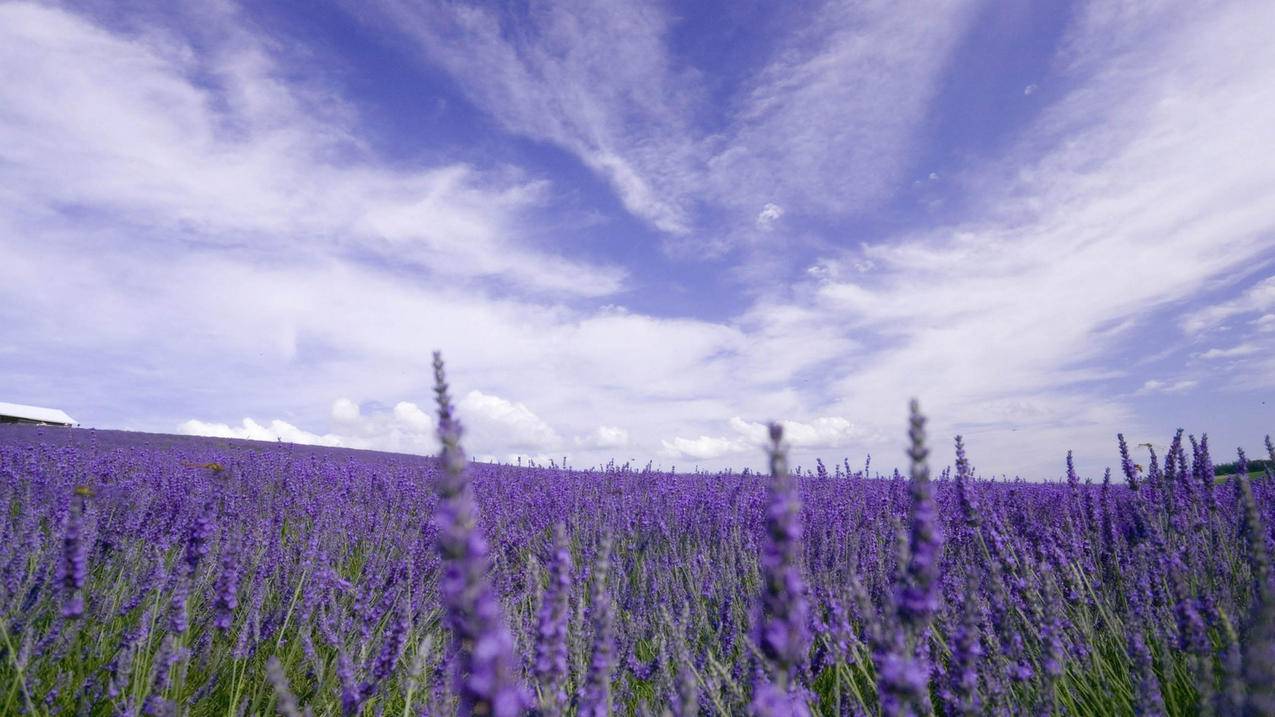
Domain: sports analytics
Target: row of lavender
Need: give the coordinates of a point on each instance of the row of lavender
(148, 576)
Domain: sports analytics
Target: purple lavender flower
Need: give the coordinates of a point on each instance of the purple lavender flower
(964, 497)
(919, 595)
(485, 672)
(595, 694)
(391, 649)
(1259, 658)
(551, 632)
(902, 664)
(1127, 464)
(1148, 700)
(227, 587)
(285, 700)
(75, 558)
(960, 694)
(178, 615)
(783, 624)
(351, 692)
(902, 684)
(769, 700)
(201, 532)
(1251, 531)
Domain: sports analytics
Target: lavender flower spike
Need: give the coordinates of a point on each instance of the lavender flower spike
(1126, 463)
(485, 665)
(75, 558)
(919, 596)
(903, 669)
(595, 696)
(783, 633)
(551, 633)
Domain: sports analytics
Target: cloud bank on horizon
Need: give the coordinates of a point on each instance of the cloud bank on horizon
(640, 233)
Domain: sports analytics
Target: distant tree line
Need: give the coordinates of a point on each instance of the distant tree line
(1256, 466)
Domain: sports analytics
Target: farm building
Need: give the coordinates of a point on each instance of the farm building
(17, 413)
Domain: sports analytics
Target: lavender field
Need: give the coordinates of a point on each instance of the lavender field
(148, 574)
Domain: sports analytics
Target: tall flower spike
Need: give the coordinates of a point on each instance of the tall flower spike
(75, 557)
(919, 597)
(964, 498)
(903, 669)
(1252, 533)
(1127, 464)
(551, 633)
(595, 695)
(783, 631)
(960, 693)
(485, 678)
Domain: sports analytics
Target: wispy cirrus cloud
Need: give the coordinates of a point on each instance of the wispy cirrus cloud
(216, 148)
(823, 126)
(1258, 298)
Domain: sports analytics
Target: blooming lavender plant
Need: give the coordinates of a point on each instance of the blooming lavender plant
(75, 557)
(903, 668)
(551, 634)
(345, 566)
(486, 681)
(782, 624)
(595, 694)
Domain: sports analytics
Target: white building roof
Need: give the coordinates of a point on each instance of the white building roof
(35, 413)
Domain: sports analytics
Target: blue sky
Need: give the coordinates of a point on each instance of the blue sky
(639, 233)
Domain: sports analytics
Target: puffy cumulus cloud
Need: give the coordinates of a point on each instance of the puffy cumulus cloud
(410, 415)
(750, 438)
(277, 430)
(520, 459)
(497, 421)
(345, 411)
(405, 428)
(492, 424)
(604, 437)
(823, 432)
(769, 215)
(703, 448)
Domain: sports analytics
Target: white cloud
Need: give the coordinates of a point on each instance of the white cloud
(345, 411)
(1158, 386)
(1030, 90)
(750, 437)
(410, 415)
(1026, 303)
(277, 430)
(232, 258)
(511, 424)
(1244, 349)
(769, 215)
(213, 147)
(1260, 297)
(703, 448)
(825, 125)
(604, 437)
(490, 422)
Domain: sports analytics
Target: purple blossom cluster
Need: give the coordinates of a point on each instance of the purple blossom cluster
(144, 574)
